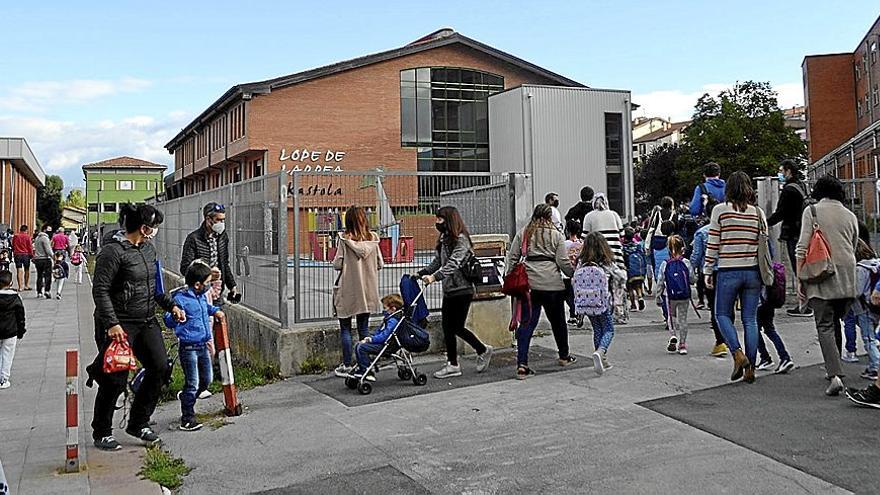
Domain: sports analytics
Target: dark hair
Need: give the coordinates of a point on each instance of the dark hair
(573, 227)
(197, 271)
(629, 233)
(356, 225)
(211, 208)
(790, 165)
(132, 217)
(455, 226)
(23, 228)
(667, 227)
(829, 187)
(864, 251)
(711, 169)
(667, 202)
(587, 193)
(5, 279)
(595, 250)
(739, 192)
(549, 196)
(59, 253)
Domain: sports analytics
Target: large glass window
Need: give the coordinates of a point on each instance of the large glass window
(444, 112)
(614, 161)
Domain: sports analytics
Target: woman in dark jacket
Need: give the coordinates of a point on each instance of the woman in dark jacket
(453, 247)
(124, 290)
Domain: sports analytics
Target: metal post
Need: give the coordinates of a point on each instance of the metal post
(297, 301)
(511, 203)
(852, 168)
(283, 316)
(72, 451)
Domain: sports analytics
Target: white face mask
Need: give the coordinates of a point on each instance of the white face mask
(218, 227)
(153, 233)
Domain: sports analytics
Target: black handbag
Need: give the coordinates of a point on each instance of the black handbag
(472, 269)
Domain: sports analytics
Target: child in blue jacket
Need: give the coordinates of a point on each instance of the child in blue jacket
(373, 344)
(194, 334)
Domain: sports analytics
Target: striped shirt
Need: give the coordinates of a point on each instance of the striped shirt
(733, 239)
(608, 224)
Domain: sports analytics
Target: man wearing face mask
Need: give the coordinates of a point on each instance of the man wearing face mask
(552, 199)
(210, 243)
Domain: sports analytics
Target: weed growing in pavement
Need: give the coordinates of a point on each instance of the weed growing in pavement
(313, 365)
(213, 420)
(161, 467)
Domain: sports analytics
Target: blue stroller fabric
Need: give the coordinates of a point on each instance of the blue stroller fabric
(409, 291)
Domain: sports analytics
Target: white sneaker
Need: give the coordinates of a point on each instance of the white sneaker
(448, 371)
(205, 394)
(598, 363)
(484, 358)
(849, 357)
(5, 384)
(343, 371)
(835, 387)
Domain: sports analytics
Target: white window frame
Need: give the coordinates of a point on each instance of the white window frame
(130, 184)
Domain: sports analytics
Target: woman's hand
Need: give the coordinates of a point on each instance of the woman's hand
(178, 314)
(428, 279)
(116, 333)
(710, 283)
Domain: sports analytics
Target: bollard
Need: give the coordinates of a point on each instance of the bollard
(227, 377)
(72, 463)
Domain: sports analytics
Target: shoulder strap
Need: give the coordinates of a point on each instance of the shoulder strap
(704, 189)
(815, 217)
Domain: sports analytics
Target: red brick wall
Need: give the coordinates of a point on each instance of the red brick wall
(829, 94)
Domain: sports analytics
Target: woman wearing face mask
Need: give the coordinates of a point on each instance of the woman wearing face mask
(210, 243)
(124, 290)
(453, 247)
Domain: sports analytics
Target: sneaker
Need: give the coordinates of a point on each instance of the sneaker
(5, 385)
(835, 387)
(632, 307)
(573, 320)
(58, 296)
(785, 366)
(145, 434)
(867, 397)
(205, 394)
(598, 363)
(869, 374)
(682, 349)
(484, 359)
(765, 364)
(107, 443)
(800, 313)
(580, 321)
(179, 394)
(719, 350)
(567, 360)
(605, 363)
(672, 345)
(190, 425)
(701, 306)
(48, 296)
(343, 371)
(448, 371)
(39, 295)
(849, 357)
(641, 304)
(371, 377)
(523, 372)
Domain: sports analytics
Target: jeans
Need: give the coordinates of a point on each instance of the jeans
(849, 331)
(827, 314)
(745, 285)
(765, 324)
(195, 360)
(363, 329)
(454, 312)
(603, 330)
(867, 325)
(146, 341)
(44, 275)
(7, 352)
(552, 302)
(364, 352)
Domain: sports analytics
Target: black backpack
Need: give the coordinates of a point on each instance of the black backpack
(709, 201)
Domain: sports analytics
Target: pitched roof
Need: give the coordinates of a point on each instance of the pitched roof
(124, 162)
(439, 38)
(662, 133)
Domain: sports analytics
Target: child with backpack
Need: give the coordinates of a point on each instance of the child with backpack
(592, 280)
(77, 260)
(636, 269)
(12, 325)
(865, 313)
(771, 299)
(573, 246)
(60, 272)
(674, 291)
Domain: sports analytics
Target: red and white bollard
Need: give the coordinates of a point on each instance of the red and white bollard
(72, 463)
(227, 377)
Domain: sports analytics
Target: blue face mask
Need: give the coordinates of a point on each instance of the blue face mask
(781, 177)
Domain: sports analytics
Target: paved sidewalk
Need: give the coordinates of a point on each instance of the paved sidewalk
(32, 411)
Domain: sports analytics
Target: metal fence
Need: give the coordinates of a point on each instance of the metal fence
(258, 238)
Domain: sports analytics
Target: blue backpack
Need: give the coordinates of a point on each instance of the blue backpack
(678, 283)
(636, 263)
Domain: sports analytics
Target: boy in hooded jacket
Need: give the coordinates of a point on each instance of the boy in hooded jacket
(374, 343)
(12, 327)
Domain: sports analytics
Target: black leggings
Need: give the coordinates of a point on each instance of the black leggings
(44, 274)
(454, 313)
(149, 348)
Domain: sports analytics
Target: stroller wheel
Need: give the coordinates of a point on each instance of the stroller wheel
(365, 388)
(420, 379)
(351, 383)
(404, 374)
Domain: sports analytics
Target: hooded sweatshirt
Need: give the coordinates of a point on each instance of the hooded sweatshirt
(357, 288)
(715, 186)
(864, 270)
(42, 246)
(11, 315)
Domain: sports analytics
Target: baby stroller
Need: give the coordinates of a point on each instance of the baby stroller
(408, 336)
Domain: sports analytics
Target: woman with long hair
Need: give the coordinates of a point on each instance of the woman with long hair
(124, 290)
(732, 252)
(546, 260)
(356, 292)
(453, 248)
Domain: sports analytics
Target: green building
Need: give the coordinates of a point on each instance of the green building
(112, 182)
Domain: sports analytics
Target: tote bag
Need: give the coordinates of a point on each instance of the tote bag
(817, 264)
(765, 262)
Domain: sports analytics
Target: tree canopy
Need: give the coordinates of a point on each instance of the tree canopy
(49, 202)
(75, 198)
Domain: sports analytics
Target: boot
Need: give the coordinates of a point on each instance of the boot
(749, 374)
(739, 362)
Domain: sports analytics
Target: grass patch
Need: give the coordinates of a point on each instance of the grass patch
(160, 467)
(313, 365)
(213, 420)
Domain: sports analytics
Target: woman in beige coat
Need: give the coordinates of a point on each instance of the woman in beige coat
(356, 292)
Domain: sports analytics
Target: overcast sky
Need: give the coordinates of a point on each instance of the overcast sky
(85, 81)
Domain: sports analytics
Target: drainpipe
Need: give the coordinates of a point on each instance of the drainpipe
(852, 168)
(3, 191)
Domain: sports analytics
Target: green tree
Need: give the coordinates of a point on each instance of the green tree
(656, 177)
(75, 198)
(49, 202)
(741, 128)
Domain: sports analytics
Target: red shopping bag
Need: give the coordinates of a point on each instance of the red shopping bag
(119, 357)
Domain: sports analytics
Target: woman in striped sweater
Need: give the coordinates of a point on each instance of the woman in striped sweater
(607, 223)
(733, 243)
